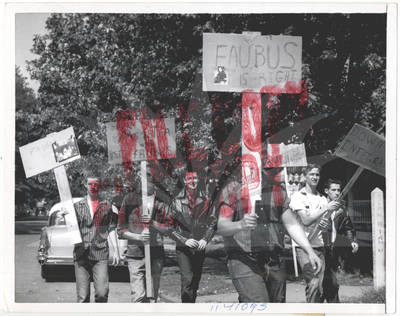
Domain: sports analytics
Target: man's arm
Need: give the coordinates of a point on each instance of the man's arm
(122, 227)
(308, 218)
(296, 232)
(226, 227)
(349, 231)
(172, 230)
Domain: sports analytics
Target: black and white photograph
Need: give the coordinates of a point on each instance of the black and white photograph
(266, 176)
(65, 150)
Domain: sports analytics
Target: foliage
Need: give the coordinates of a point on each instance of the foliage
(92, 65)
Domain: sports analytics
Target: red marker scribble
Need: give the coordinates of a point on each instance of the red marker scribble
(229, 199)
(250, 172)
(149, 139)
(126, 120)
(162, 139)
(292, 87)
(274, 159)
(251, 124)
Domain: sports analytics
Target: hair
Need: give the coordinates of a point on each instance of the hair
(330, 181)
(310, 167)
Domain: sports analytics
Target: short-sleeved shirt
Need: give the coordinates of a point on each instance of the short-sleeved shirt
(269, 233)
(129, 219)
(302, 200)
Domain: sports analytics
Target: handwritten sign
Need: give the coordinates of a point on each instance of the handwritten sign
(281, 155)
(236, 62)
(135, 140)
(364, 148)
(50, 152)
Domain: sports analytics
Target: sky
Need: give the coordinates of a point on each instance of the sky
(26, 26)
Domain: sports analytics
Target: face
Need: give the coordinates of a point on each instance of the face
(93, 185)
(333, 192)
(312, 177)
(191, 180)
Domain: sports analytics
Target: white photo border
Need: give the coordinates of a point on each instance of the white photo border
(8, 136)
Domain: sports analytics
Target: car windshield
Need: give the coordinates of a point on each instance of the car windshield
(56, 219)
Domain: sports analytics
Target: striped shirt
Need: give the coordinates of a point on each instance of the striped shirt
(94, 229)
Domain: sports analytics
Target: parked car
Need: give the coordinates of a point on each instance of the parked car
(55, 253)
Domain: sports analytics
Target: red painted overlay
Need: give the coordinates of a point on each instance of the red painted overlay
(250, 172)
(274, 159)
(293, 87)
(128, 141)
(125, 121)
(251, 124)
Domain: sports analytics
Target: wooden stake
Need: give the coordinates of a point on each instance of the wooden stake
(378, 237)
(346, 190)
(146, 217)
(296, 269)
(66, 200)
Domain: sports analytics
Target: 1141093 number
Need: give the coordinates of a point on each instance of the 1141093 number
(238, 307)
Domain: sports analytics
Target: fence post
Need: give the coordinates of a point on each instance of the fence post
(378, 237)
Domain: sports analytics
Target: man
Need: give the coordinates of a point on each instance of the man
(310, 205)
(138, 231)
(254, 242)
(96, 221)
(339, 224)
(193, 227)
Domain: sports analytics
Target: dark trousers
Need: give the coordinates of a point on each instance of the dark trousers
(85, 270)
(258, 278)
(330, 284)
(191, 265)
(314, 289)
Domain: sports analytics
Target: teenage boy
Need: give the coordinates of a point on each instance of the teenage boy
(310, 205)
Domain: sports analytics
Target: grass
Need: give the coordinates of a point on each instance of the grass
(374, 296)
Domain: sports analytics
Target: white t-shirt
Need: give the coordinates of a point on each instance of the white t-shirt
(302, 200)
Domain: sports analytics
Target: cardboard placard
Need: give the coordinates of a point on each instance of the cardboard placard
(364, 148)
(281, 155)
(54, 150)
(162, 143)
(237, 62)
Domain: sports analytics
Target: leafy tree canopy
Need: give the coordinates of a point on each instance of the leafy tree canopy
(91, 66)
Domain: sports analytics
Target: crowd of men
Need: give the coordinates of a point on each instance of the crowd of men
(253, 241)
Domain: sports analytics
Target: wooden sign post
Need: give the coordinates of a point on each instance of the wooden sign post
(146, 217)
(223, 71)
(291, 155)
(378, 237)
(141, 140)
(364, 148)
(52, 153)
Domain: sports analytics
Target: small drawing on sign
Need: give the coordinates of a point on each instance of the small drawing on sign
(220, 76)
(64, 150)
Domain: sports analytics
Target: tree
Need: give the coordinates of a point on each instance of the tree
(28, 128)
(92, 65)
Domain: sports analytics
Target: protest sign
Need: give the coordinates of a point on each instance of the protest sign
(281, 155)
(127, 142)
(50, 152)
(364, 148)
(141, 140)
(236, 62)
